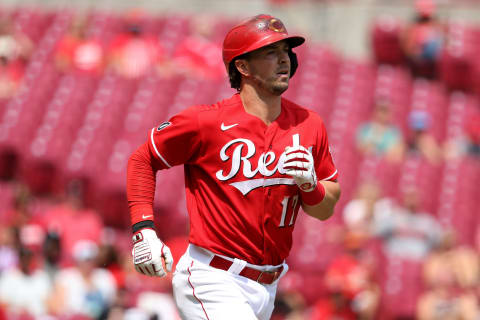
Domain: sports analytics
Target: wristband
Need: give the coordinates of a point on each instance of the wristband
(315, 196)
(143, 224)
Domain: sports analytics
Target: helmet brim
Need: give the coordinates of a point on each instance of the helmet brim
(293, 41)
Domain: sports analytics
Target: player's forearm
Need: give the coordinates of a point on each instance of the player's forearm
(325, 208)
(140, 185)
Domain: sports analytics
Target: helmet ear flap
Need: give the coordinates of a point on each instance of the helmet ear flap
(293, 62)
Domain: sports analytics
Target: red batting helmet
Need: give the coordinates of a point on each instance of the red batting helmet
(255, 33)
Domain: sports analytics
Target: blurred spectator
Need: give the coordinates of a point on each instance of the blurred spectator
(379, 136)
(133, 53)
(15, 50)
(451, 274)
(334, 306)
(423, 40)
(473, 134)
(25, 289)
(353, 291)
(17, 213)
(41, 177)
(420, 140)
(78, 52)
(52, 252)
(9, 164)
(440, 303)
(9, 242)
(14, 45)
(158, 305)
(407, 232)
(450, 260)
(468, 142)
(83, 289)
(10, 77)
(109, 259)
(367, 205)
(289, 305)
(72, 220)
(198, 55)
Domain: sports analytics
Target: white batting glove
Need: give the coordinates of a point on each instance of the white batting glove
(298, 163)
(148, 252)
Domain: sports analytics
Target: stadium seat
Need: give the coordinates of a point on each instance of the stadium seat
(458, 196)
(457, 64)
(424, 177)
(401, 284)
(430, 97)
(394, 85)
(386, 36)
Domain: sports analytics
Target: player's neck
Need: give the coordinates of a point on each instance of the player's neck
(265, 107)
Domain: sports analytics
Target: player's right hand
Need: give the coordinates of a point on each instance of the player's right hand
(148, 252)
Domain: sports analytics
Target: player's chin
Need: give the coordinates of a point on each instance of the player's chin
(280, 87)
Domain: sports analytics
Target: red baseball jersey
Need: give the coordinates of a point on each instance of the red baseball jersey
(240, 201)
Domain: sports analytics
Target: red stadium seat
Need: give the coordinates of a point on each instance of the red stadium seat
(458, 197)
(457, 67)
(394, 85)
(419, 173)
(385, 37)
(401, 285)
(430, 97)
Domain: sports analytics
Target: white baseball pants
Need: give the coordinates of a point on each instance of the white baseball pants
(206, 293)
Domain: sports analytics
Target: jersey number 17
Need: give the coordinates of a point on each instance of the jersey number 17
(285, 206)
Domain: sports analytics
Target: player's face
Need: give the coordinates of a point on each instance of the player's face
(269, 67)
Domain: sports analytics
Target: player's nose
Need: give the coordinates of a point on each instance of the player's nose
(284, 57)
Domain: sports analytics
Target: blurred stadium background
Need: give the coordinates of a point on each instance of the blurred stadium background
(397, 83)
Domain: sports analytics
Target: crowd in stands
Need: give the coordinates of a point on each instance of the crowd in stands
(388, 252)
(132, 53)
(431, 49)
(15, 49)
(60, 261)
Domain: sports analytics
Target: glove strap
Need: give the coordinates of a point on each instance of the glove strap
(142, 225)
(315, 196)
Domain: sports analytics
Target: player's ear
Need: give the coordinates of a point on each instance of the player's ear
(242, 67)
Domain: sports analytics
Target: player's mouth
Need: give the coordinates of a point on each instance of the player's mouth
(283, 73)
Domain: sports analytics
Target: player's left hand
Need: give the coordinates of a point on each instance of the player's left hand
(298, 164)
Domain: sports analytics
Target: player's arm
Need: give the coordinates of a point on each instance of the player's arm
(323, 209)
(149, 252)
(160, 152)
(141, 186)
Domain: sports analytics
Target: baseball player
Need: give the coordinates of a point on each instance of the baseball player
(251, 161)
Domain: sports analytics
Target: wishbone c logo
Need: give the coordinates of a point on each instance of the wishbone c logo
(276, 25)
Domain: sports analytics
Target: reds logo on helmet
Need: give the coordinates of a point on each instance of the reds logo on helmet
(257, 32)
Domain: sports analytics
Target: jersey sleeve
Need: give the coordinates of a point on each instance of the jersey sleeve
(324, 166)
(177, 140)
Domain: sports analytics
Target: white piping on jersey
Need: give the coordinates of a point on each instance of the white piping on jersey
(248, 185)
(331, 176)
(158, 153)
